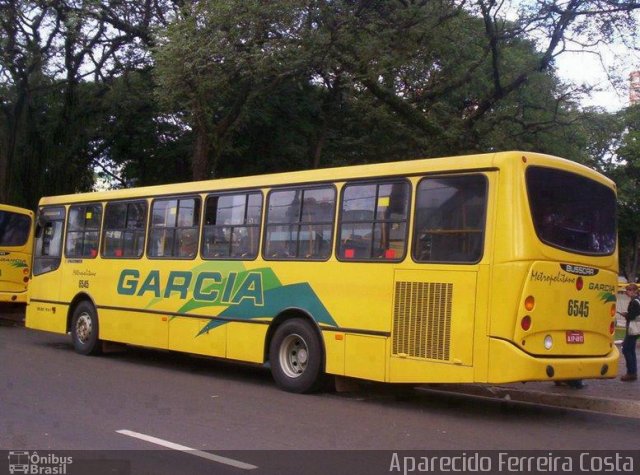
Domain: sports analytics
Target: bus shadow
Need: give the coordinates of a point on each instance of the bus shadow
(420, 399)
(165, 360)
(187, 363)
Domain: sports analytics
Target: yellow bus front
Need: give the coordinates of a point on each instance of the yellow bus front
(15, 253)
(555, 274)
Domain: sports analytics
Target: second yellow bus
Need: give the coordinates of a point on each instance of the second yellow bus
(16, 242)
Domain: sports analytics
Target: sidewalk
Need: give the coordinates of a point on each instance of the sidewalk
(610, 396)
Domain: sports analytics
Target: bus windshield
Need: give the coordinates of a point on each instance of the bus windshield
(14, 228)
(572, 212)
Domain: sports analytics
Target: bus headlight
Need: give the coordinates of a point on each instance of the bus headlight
(548, 342)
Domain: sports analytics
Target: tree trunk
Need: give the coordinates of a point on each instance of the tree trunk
(316, 153)
(9, 143)
(200, 165)
(4, 166)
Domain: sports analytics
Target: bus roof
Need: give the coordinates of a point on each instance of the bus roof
(460, 163)
(15, 209)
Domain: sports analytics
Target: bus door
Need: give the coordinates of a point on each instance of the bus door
(435, 303)
(15, 254)
(45, 313)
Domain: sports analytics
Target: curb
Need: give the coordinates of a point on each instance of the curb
(618, 407)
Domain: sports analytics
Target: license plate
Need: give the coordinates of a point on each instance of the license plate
(575, 337)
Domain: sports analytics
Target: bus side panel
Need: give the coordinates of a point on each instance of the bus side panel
(185, 335)
(47, 316)
(365, 357)
(507, 283)
(46, 312)
(433, 322)
(480, 337)
(245, 341)
(345, 295)
(334, 352)
(417, 371)
(136, 328)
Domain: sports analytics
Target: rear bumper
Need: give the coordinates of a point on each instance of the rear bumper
(13, 297)
(508, 364)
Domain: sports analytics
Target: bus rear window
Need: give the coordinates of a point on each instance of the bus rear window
(572, 212)
(14, 228)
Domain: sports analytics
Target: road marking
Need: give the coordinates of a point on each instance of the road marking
(188, 450)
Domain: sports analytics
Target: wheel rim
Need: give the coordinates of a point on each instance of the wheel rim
(84, 327)
(294, 356)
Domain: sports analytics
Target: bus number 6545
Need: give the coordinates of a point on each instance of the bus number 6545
(578, 308)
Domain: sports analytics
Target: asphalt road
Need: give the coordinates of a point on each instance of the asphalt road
(160, 404)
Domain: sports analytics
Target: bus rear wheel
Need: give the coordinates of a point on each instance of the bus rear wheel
(84, 329)
(295, 355)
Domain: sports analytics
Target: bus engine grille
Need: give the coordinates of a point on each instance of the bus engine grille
(422, 320)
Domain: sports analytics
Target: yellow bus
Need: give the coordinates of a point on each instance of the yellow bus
(16, 242)
(487, 268)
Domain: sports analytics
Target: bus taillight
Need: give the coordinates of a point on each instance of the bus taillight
(529, 303)
(612, 312)
(525, 323)
(579, 283)
(612, 327)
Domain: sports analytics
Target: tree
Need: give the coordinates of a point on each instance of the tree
(56, 60)
(138, 142)
(219, 57)
(627, 177)
(420, 78)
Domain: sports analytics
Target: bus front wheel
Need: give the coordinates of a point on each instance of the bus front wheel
(295, 355)
(84, 329)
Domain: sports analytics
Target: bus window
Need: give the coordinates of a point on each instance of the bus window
(373, 222)
(175, 228)
(14, 229)
(300, 224)
(124, 229)
(450, 219)
(48, 248)
(232, 226)
(572, 212)
(83, 231)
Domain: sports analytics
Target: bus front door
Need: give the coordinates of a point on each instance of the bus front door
(46, 312)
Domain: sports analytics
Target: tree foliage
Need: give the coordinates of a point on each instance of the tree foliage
(57, 58)
(627, 176)
(421, 78)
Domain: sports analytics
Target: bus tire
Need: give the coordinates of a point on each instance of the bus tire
(84, 329)
(296, 357)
